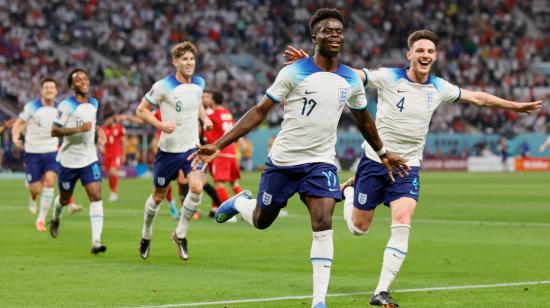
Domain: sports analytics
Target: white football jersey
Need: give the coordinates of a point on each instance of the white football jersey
(313, 103)
(39, 118)
(179, 103)
(77, 150)
(405, 109)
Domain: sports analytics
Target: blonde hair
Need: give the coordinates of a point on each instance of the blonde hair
(181, 48)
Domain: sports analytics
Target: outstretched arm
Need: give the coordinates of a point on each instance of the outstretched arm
(545, 145)
(483, 99)
(251, 119)
(367, 127)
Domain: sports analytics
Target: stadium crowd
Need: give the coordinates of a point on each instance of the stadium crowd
(483, 45)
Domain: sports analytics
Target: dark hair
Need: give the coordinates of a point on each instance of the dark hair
(217, 97)
(74, 71)
(48, 79)
(422, 35)
(322, 14)
(181, 48)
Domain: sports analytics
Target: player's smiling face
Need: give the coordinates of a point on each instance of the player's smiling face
(48, 91)
(329, 37)
(185, 64)
(81, 83)
(422, 56)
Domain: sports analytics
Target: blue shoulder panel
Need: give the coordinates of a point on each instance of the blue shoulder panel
(302, 68)
(94, 102)
(71, 102)
(35, 104)
(171, 82)
(350, 76)
(198, 81)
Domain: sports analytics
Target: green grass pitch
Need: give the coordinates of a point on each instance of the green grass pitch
(468, 230)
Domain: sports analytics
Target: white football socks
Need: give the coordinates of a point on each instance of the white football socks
(149, 213)
(96, 220)
(45, 203)
(394, 255)
(190, 206)
(246, 209)
(348, 211)
(322, 251)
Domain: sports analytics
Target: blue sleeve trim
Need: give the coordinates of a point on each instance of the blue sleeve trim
(271, 97)
(150, 101)
(199, 81)
(458, 97)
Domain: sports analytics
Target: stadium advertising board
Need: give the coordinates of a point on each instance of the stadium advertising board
(533, 164)
(448, 164)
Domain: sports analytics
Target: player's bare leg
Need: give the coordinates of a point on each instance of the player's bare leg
(96, 216)
(34, 190)
(152, 205)
(402, 211)
(46, 199)
(322, 250)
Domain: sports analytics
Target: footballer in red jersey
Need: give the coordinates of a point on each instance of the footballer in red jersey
(113, 153)
(224, 168)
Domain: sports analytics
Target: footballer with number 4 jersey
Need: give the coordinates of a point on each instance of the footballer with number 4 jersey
(407, 98)
(313, 92)
(76, 123)
(179, 98)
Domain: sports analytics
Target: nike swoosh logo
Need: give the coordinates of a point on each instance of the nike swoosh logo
(310, 92)
(413, 192)
(401, 91)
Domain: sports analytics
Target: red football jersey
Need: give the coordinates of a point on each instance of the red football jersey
(114, 134)
(222, 122)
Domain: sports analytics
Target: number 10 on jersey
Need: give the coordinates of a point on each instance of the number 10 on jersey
(308, 106)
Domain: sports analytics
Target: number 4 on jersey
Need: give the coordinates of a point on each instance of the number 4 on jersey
(401, 104)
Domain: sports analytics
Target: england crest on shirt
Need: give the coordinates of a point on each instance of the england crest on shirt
(161, 181)
(429, 98)
(342, 96)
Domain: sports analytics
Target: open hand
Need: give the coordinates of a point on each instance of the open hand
(293, 54)
(529, 107)
(203, 156)
(395, 163)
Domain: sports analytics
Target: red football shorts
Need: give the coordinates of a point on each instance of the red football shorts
(225, 169)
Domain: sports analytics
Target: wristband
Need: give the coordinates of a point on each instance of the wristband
(381, 152)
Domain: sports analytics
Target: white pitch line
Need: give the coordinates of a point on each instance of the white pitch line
(284, 298)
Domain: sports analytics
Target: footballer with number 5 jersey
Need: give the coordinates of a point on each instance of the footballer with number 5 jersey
(407, 98)
(179, 98)
(314, 92)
